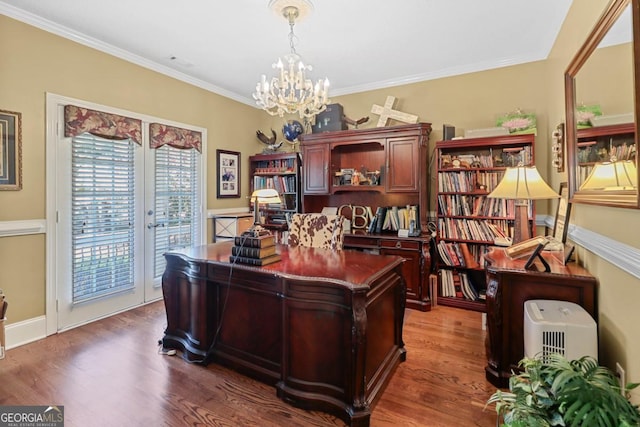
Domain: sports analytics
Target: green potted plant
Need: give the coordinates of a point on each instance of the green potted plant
(554, 391)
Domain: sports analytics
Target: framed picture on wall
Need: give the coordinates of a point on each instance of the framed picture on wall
(228, 182)
(10, 150)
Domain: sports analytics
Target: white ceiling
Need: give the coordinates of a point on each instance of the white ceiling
(225, 46)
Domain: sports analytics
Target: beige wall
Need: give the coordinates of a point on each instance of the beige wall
(36, 62)
(619, 292)
(39, 62)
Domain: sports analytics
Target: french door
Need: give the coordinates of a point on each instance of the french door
(120, 206)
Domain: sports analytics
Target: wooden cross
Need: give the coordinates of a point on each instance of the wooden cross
(387, 112)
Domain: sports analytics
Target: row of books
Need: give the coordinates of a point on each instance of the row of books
(468, 181)
(394, 218)
(281, 183)
(504, 157)
(514, 156)
(456, 254)
(488, 231)
(592, 152)
(457, 284)
(469, 205)
(275, 166)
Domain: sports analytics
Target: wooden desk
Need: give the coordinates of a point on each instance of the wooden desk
(509, 285)
(324, 327)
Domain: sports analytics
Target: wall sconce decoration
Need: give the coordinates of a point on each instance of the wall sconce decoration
(557, 148)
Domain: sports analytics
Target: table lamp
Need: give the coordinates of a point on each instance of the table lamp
(522, 183)
(611, 176)
(263, 196)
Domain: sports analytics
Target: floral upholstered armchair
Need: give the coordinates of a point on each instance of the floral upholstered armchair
(316, 231)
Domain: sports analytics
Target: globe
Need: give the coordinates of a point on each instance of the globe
(292, 129)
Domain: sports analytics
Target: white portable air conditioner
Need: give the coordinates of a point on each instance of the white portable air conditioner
(558, 327)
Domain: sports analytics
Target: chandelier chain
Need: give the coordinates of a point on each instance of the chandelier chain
(292, 38)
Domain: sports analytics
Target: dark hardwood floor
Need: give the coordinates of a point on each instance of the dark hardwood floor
(109, 373)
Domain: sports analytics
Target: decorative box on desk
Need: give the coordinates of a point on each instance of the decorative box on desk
(509, 285)
(228, 225)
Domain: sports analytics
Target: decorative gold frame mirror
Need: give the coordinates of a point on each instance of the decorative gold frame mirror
(625, 197)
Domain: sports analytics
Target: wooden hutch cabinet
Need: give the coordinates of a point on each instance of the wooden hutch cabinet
(396, 159)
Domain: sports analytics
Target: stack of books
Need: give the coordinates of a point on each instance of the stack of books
(254, 250)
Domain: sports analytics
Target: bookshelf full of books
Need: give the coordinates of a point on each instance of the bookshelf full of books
(280, 171)
(468, 222)
(602, 144)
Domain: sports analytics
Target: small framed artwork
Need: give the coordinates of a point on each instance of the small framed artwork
(10, 150)
(561, 223)
(228, 184)
(536, 255)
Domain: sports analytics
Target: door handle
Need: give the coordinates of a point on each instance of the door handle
(150, 226)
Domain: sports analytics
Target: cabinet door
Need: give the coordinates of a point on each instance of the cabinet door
(315, 167)
(402, 164)
(411, 270)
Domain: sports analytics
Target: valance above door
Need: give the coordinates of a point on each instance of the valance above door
(176, 137)
(78, 120)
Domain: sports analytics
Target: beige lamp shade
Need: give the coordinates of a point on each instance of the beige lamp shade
(262, 197)
(618, 175)
(523, 183)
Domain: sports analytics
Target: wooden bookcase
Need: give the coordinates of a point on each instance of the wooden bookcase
(280, 171)
(397, 159)
(599, 144)
(468, 222)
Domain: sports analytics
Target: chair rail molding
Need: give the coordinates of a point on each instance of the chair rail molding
(22, 227)
(623, 256)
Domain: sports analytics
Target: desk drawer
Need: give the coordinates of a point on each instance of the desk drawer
(409, 245)
(360, 242)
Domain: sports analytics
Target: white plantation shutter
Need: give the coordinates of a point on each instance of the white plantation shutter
(102, 215)
(177, 201)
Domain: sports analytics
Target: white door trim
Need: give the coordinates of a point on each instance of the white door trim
(54, 131)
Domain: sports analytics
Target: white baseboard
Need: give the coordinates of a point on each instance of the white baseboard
(21, 333)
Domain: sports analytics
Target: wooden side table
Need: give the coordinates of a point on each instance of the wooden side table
(228, 225)
(509, 285)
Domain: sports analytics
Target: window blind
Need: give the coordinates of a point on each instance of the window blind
(102, 211)
(177, 201)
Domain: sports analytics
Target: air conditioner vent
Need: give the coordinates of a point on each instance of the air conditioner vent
(559, 327)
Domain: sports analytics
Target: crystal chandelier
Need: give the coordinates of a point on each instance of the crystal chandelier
(291, 91)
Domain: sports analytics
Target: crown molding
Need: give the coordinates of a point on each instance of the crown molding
(67, 33)
(441, 73)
